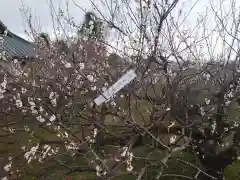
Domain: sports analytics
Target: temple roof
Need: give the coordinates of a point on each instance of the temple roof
(12, 44)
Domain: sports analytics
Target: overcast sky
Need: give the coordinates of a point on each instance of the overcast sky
(12, 17)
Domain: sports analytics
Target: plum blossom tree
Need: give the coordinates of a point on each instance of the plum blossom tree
(177, 119)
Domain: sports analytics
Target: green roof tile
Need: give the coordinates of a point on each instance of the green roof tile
(14, 45)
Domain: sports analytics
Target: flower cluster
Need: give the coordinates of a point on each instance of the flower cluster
(129, 155)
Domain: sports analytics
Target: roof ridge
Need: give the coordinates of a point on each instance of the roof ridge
(2, 27)
(15, 45)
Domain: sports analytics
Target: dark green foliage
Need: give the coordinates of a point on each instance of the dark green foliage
(232, 171)
(46, 38)
(92, 26)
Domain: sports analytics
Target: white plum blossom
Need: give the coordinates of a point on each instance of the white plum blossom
(168, 109)
(54, 102)
(207, 101)
(26, 128)
(104, 89)
(11, 130)
(48, 124)
(78, 77)
(29, 156)
(1, 95)
(124, 151)
(41, 109)
(213, 126)
(53, 97)
(91, 140)
(230, 94)
(207, 76)
(19, 103)
(23, 90)
(65, 79)
(106, 84)
(57, 150)
(60, 134)
(235, 124)
(52, 118)
(227, 102)
(8, 167)
(24, 111)
(47, 149)
(71, 145)
(3, 87)
(129, 166)
(98, 170)
(68, 65)
(25, 74)
(40, 119)
(32, 105)
(69, 103)
(113, 103)
(173, 139)
(129, 155)
(156, 78)
(91, 23)
(171, 125)
(202, 111)
(34, 83)
(90, 77)
(95, 131)
(81, 66)
(94, 88)
(117, 159)
(65, 134)
(23, 148)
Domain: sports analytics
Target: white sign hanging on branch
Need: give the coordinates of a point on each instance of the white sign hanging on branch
(116, 87)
